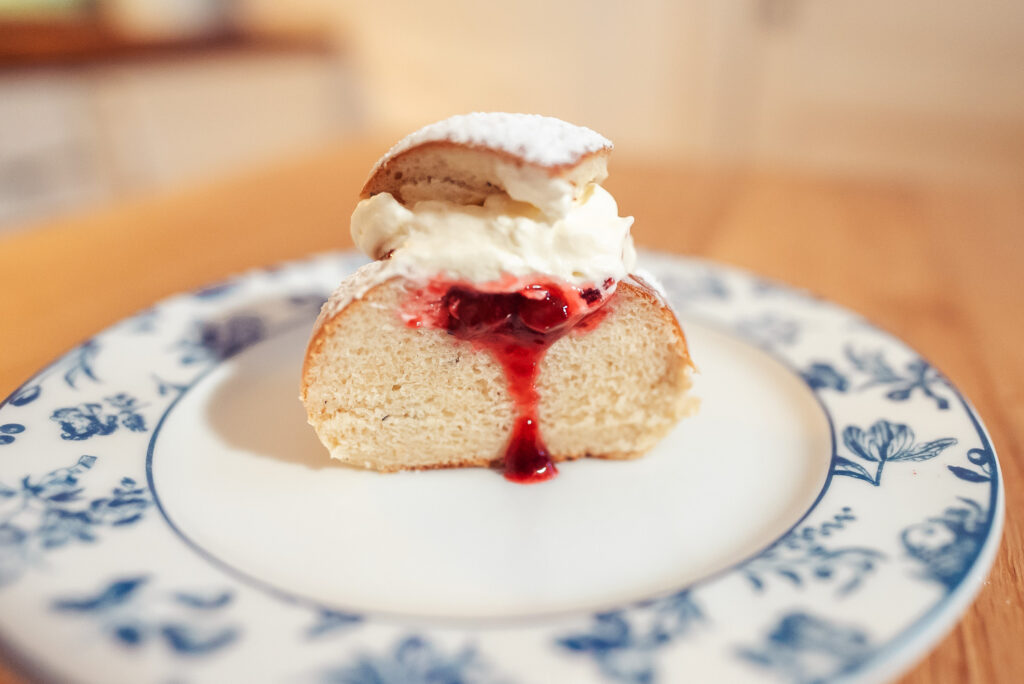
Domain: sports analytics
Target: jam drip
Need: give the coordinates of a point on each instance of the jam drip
(516, 328)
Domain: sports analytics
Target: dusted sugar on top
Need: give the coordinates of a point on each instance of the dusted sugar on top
(536, 139)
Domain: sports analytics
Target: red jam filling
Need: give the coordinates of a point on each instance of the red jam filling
(516, 325)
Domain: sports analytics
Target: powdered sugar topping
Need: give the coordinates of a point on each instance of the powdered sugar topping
(536, 139)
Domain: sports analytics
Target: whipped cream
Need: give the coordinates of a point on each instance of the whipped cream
(553, 196)
(580, 240)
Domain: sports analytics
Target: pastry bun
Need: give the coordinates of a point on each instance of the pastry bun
(508, 333)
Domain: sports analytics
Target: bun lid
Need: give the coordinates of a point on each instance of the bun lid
(466, 158)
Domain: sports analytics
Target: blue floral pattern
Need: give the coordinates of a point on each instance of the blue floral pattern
(45, 513)
(61, 514)
(985, 462)
(92, 419)
(947, 545)
(77, 364)
(188, 623)
(8, 432)
(625, 643)
(804, 649)
(415, 660)
(219, 340)
(917, 375)
(824, 376)
(167, 388)
(330, 621)
(802, 556)
(883, 443)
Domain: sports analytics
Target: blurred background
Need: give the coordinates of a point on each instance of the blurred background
(101, 100)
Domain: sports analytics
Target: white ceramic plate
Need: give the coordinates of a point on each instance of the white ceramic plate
(166, 514)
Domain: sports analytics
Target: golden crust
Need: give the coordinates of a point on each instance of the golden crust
(648, 292)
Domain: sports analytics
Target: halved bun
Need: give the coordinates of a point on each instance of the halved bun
(385, 396)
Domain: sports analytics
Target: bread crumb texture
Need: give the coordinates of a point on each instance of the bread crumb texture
(385, 396)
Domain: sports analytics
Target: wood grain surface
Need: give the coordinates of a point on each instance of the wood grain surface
(940, 266)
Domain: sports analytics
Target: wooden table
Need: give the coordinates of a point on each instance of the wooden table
(938, 265)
